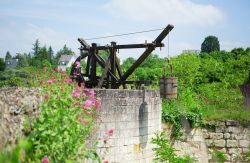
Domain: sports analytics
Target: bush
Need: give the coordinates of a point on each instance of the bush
(165, 153)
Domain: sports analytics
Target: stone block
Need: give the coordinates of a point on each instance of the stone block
(226, 135)
(220, 129)
(220, 123)
(220, 143)
(216, 143)
(241, 136)
(216, 135)
(234, 150)
(232, 143)
(244, 143)
(245, 150)
(234, 130)
(232, 123)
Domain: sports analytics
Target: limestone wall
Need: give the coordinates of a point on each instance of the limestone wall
(16, 106)
(228, 137)
(133, 116)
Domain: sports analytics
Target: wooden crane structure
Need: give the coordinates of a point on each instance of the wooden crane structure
(112, 76)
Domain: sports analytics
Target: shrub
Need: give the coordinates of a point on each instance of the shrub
(165, 153)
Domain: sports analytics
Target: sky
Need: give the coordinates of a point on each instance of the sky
(59, 22)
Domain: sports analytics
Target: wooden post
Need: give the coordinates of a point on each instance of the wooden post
(113, 63)
(93, 64)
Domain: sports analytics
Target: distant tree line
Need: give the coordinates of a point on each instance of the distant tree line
(39, 56)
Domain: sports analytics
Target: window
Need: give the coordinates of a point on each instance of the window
(64, 63)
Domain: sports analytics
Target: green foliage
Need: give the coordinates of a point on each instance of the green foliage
(210, 44)
(63, 125)
(218, 156)
(16, 154)
(2, 64)
(186, 106)
(8, 56)
(165, 153)
(16, 77)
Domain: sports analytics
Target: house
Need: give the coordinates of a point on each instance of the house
(65, 61)
(11, 63)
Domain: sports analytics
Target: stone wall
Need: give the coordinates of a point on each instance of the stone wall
(16, 106)
(133, 116)
(228, 137)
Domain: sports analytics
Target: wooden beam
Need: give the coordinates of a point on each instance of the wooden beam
(104, 72)
(147, 52)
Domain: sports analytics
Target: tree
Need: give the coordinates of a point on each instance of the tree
(50, 54)
(8, 56)
(22, 60)
(36, 48)
(2, 64)
(64, 51)
(210, 44)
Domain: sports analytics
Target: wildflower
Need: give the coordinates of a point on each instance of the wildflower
(49, 82)
(55, 81)
(63, 72)
(91, 93)
(45, 159)
(83, 85)
(41, 82)
(76, 95)
(89, 112)
(51, 90)
(84, 120)
(44, 68)
(46, 96)
(87, 104)
(77, 64)
(54, 76)
(84, 94)
(105, 161)
(70, 81)
(109, 132)
(97, 104)
(61, 89)
(56, 69)
(76, 104)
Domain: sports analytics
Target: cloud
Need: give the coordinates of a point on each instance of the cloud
(171, 11)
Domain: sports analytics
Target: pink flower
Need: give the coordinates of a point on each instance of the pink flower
(63, 72)
(76, 95)
(109, 132)
(41, 82)
(87, 104)
(105, 161)
(97, 104)
(45, 159)
(84, 120)
(91, 93)
(46, 96)
(89, 112)
(83, 94)
(49, 82)
(77, 64)
(70, 81)
(55, 81)
(82, 85)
